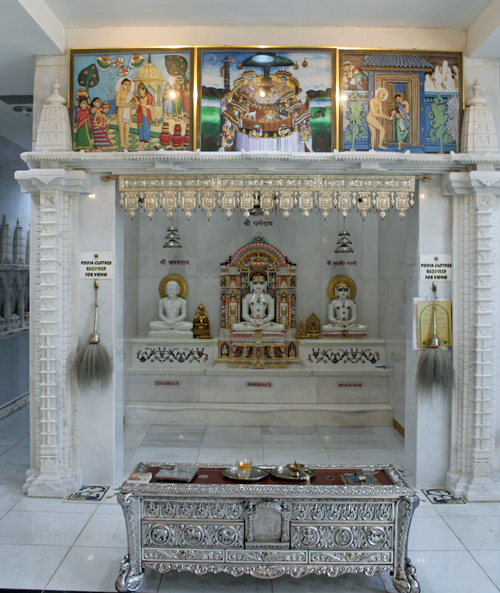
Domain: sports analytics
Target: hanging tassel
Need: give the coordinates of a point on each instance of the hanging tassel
(434, 369)
(92, 364)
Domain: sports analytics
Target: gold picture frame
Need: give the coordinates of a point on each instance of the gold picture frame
(255, 108)
(400, 100)
(134, 99)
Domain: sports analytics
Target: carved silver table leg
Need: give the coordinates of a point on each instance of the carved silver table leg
(404, 577)
(131, 573)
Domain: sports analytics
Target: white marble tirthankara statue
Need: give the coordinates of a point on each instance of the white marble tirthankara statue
(342, 312)
(172, 311)
(257, 309)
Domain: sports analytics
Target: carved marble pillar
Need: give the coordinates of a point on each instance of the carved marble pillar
(475, 329)
(54, 458)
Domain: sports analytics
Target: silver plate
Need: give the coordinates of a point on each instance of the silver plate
(256, 473)
(283, 473)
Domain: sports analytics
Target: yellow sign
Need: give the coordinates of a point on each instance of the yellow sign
(425, 322)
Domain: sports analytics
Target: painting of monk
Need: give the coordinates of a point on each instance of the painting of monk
(401, 101)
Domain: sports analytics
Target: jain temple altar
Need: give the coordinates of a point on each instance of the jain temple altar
(263, 255)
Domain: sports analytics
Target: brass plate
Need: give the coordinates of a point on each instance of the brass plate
(283, 473)
(256, 474)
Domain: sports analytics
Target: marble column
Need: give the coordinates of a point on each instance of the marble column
(54, 468)
(476, 272)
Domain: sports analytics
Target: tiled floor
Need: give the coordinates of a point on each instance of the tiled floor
(48, 543)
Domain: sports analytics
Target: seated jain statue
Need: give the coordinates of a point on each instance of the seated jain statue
(257, 309)
(172, 311)
(342, 313)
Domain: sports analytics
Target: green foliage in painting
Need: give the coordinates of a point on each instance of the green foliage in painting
(438, 118)
(88, 77)
(356, 115)
(177, 66)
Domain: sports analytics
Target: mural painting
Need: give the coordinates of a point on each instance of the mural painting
(131, 99)
(400, 101)
(259, 100)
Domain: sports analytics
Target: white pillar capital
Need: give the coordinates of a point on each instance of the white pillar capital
(40, 180)
(466, 183)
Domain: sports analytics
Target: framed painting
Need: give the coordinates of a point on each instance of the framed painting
(400, 100)
(271, 100)
(131, 99)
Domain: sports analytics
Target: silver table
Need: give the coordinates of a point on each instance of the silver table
(269, 529)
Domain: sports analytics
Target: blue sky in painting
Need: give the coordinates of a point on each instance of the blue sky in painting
(316, 76)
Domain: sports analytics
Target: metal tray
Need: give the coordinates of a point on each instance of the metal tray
(256, 473)
(283, 473)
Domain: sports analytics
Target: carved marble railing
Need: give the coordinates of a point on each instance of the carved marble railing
(14, 272)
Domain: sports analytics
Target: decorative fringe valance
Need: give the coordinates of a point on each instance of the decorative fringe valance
(269, 193)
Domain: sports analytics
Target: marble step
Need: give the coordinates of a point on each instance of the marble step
(258, 414)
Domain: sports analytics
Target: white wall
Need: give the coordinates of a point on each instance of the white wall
(397, 246)
(308, 242)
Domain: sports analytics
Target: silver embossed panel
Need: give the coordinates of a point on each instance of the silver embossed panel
(356, 537)
(191, 535)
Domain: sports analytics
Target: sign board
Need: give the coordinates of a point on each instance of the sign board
(435, 267)
(259, 383)
(357, 385)
(168, 383)
(96, 265)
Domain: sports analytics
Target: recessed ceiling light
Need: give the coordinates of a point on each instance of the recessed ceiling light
(23, 109)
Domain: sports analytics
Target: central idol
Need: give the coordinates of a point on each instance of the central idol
(258, 307)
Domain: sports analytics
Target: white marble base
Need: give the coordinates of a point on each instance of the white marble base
(170, 335)
(339, 334)
(159, 354)
(258, 414)
(478, 490)
(340, 353)
(243, 335)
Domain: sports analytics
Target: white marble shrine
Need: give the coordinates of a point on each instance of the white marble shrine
(76, 208)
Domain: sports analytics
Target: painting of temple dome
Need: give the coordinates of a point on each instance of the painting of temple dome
(271, 101)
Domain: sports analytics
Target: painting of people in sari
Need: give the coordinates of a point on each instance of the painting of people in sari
(402, 101)
(129, 100)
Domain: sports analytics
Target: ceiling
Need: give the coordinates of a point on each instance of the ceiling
(453, 14)
(38, 27)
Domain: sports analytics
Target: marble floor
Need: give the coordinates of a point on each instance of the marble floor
(77, 546)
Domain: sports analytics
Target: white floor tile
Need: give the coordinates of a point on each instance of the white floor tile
(44, 528)
(162, 454)
(284, 455)
(9, 496)
(13, 473)
(343, 442)
(96, 569)
(104, 530)
(29, 566)
(471, 509)
(489, 562)
(212, 583)
(432, 533)
(55, 505)
(19, 455)
(361, 456)
(447, 572)
(109, 509)
(349, 583)
(229, 455)
(9, 438)
(476, 533)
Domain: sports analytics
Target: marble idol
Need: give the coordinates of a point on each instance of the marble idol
(342, 312)
(172, 311)
(258, 307)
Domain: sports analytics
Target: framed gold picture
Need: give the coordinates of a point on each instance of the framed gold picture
(131, 99)
(400, 101)
(272, 100)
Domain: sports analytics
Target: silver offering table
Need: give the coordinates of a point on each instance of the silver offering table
(270, 528)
